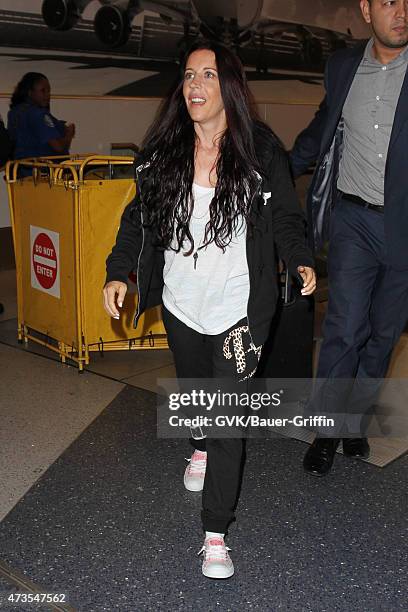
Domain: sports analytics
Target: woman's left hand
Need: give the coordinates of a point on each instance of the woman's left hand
(309, 279)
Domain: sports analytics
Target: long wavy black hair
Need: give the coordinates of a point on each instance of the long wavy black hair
(170, 145)
(24, 86)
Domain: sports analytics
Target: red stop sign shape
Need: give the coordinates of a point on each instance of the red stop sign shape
(45, 261)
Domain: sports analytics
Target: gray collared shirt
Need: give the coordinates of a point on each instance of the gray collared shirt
(368, 115)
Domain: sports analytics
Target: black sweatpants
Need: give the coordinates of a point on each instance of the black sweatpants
(204, 356)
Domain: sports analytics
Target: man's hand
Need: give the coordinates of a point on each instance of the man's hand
(110, 291)
(309, 279)
(70, 130)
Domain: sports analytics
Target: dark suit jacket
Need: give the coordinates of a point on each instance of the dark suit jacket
(321, 141)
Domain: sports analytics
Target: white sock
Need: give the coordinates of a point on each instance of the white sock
(213, 534)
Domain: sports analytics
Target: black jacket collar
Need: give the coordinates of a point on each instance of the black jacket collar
(341, 71)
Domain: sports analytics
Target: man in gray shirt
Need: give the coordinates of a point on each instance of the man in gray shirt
(368, 115)
(359, 200)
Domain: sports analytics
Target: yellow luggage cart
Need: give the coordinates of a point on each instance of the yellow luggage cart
(65, 217)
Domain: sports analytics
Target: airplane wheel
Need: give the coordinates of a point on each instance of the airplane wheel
(112, 26)
(60, 14)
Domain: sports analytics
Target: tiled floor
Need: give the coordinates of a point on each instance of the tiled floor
(140, 369)
(111, 525)
(73, 446)
(44, 406)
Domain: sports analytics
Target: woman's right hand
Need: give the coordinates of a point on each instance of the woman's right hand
(110, 291)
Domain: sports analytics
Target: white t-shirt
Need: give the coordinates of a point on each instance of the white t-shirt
(209, 289)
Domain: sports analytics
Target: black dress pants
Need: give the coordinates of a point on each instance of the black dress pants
(205, 356)
(367, 312)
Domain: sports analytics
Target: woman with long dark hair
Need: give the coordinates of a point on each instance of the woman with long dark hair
(214, 197)
(34, 131)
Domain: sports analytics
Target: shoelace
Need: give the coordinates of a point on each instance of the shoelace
(216, 552)
(197, 466)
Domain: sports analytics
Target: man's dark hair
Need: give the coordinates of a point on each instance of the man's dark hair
(170, 144)
(24, 86)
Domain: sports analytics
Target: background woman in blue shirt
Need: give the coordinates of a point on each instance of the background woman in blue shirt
(34, 131)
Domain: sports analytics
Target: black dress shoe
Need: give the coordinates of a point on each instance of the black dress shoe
(358, 448)
(319, 457)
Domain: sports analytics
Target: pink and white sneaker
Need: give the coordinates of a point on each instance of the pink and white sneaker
(195, 471)
(217, 562)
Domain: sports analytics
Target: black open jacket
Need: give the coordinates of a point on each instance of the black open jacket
(278, 223)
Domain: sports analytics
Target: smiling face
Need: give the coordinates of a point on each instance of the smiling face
(201, 90)
(388, 20)
(40, 93)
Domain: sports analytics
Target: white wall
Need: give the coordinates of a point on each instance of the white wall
(101, 121)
